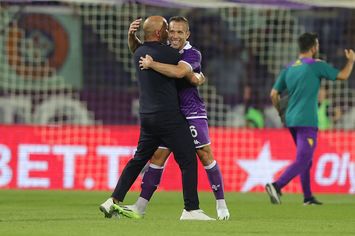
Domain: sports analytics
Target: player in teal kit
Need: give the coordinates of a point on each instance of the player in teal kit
(192, 107)
(302, 79)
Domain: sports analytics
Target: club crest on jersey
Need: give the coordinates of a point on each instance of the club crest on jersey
(297, 63)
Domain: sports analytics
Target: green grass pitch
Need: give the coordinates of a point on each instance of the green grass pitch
(76, 213)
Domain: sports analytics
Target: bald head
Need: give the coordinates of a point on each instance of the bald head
(155, 29)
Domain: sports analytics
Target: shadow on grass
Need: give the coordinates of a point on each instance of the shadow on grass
(50, 219)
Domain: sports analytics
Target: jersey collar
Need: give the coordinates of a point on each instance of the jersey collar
(187, 46)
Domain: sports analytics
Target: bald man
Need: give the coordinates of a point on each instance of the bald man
(161, 122)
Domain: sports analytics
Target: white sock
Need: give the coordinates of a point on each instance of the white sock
(141, 205)
(221, 204)
(154, 166)
(210, 166)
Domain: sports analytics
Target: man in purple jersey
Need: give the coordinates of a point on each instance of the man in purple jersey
(192, 107)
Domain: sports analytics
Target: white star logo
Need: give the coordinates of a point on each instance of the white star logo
(261, 170)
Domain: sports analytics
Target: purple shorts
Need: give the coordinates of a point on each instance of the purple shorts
(199, 132)
(304, 136)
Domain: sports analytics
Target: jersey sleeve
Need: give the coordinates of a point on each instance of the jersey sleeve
(326, 71)
(193, 58)
(280, 84)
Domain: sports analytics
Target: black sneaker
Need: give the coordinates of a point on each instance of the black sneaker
(311, 201)
(274, 193)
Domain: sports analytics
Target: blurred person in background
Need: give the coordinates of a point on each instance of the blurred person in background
(254, 117)
(328, 115)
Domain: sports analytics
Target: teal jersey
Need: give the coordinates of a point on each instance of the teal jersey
(302, 81)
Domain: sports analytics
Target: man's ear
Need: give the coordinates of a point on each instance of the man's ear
(157, 33)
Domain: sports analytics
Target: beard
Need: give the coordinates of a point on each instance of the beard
(315, 55)
(164, 41)
(164, 38)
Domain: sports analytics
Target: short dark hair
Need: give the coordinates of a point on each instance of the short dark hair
(307, 40)
(180, 19)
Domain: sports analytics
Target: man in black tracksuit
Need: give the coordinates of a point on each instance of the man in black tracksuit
(160, 117)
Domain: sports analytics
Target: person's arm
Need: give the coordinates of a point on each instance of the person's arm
(133, 41)
(277, 89)
(178, 71)
(196, 79)
(181, 70)
(275, 99)
(346, 71)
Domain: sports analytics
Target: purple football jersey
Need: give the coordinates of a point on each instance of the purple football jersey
(191, 104)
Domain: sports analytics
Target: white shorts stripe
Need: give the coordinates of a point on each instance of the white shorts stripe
(203, 145)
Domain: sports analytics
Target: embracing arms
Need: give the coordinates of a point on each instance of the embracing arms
(181, 70)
